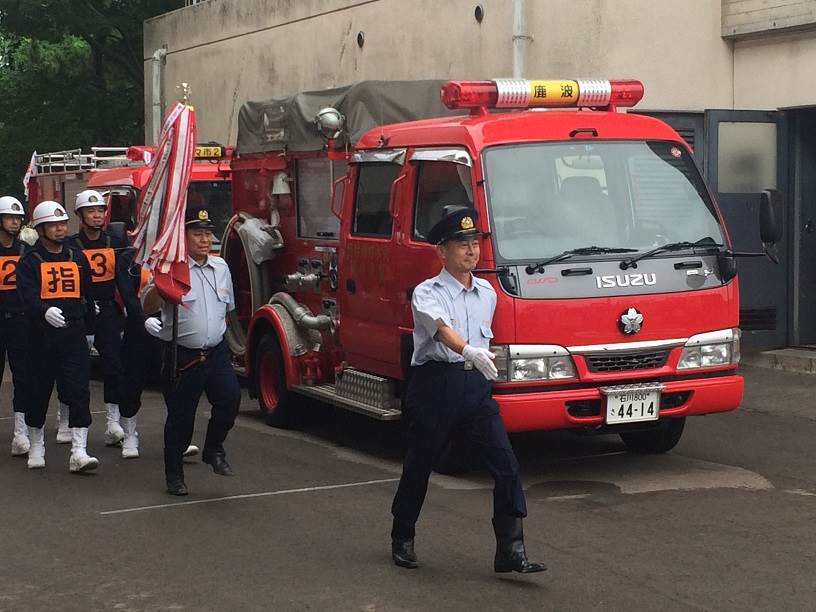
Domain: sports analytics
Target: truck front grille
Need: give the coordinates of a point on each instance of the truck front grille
(619, 362)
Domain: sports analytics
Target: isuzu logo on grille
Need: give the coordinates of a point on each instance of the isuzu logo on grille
(625, 280)
(631, 321)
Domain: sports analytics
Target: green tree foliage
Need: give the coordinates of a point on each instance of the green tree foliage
(71, 76)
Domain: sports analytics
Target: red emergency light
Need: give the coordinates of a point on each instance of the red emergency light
(521, 93)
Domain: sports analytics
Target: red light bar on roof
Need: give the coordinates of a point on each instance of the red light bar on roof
(520, 93)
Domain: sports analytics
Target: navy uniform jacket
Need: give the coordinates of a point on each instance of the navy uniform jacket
(129, 282)
(66, 283)
(9, 258)
(102, 255)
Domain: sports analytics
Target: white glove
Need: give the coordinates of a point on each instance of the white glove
(482, 359)
(153, 325)
(96, 308)
(90, 340)
(53, 316)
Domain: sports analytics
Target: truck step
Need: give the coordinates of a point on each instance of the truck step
(328, 393)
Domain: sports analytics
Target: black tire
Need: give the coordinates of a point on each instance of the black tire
(274, 398)
(458, 458)
(661, 439)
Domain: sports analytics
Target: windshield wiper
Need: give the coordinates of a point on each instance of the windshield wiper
(590, 250)
(707, 242)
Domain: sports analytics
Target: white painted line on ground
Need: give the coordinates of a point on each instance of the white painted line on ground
(802, 492)
(8, 418)
(251, 495)
(568, 497)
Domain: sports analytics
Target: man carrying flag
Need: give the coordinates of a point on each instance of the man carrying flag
(193, 290)
(203, 364)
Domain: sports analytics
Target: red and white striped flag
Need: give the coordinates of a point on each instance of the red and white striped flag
(159, 236)
(30, 171)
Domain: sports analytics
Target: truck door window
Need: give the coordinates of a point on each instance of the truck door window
(123, 206)
(314, 186)
(371, 215)
(439, 184)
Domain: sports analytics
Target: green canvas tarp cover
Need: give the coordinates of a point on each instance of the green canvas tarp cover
(288, 123)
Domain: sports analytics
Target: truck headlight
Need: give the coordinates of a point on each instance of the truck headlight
(711, 349)
(520, 362)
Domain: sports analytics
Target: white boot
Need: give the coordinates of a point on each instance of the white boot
(20, 443)
(63, 431)
(130, 445)
(36, 452)
(113, 431)
(80, 461)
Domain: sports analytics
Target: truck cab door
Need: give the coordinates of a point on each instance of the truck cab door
(367, 271)
(746, 154)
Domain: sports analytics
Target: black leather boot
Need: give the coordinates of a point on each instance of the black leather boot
(218, 460)
(510, 553)
(402, 552)
(175, 483)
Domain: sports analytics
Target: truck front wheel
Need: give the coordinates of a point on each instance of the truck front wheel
(275, 399)
(661, 439)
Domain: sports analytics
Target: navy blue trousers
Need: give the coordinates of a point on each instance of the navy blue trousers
(61, 356)
(13, 339)
(214, 377)
(138, 350)
(108, 342)
(443, 399)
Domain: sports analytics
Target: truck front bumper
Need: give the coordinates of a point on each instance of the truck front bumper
(556, 409)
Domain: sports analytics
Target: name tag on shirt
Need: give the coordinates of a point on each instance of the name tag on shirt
(8, 272)
(59, 280)
(103, 264)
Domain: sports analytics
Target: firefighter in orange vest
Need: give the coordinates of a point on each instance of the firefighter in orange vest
(102, 250)
(53, 280)
(13, 328)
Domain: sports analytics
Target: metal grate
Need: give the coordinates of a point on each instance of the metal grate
(619, 362)
(758, 319)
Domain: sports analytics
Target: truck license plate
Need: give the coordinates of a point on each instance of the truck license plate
(632, 405)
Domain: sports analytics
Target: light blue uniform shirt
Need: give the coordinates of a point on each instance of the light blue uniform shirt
(468, 311)
(203, 311)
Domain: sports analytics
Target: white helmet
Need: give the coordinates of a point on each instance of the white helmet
(48, 212)
(11, 206)
(87, 198)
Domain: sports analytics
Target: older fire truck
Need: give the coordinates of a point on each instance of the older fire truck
(122, 172)
(617, 291)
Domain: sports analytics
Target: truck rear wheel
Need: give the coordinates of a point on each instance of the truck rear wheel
(275, 400)
(661, 439)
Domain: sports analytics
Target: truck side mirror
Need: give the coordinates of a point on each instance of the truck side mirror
(770, 230)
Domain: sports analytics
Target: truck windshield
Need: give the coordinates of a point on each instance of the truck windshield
(546, 198)
(217, 197)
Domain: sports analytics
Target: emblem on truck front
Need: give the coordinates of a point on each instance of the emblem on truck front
(630, 321)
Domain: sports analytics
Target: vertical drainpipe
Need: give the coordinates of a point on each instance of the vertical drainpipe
(157, 65)
(520, 39)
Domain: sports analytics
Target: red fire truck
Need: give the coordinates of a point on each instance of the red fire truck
(122, 172)
(617, 292)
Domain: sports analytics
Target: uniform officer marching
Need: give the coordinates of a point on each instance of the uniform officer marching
(204, 360)
(450, 390)
(102, 250)
(53, 280)
(13, 328)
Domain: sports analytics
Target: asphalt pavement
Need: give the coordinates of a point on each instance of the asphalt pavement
(724, 522)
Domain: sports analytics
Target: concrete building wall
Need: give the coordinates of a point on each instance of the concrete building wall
(231, 51)
(776, 71)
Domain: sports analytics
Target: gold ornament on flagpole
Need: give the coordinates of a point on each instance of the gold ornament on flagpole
(186, 90)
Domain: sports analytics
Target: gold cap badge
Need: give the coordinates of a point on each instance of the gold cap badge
(466, 223)
(203, 215)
